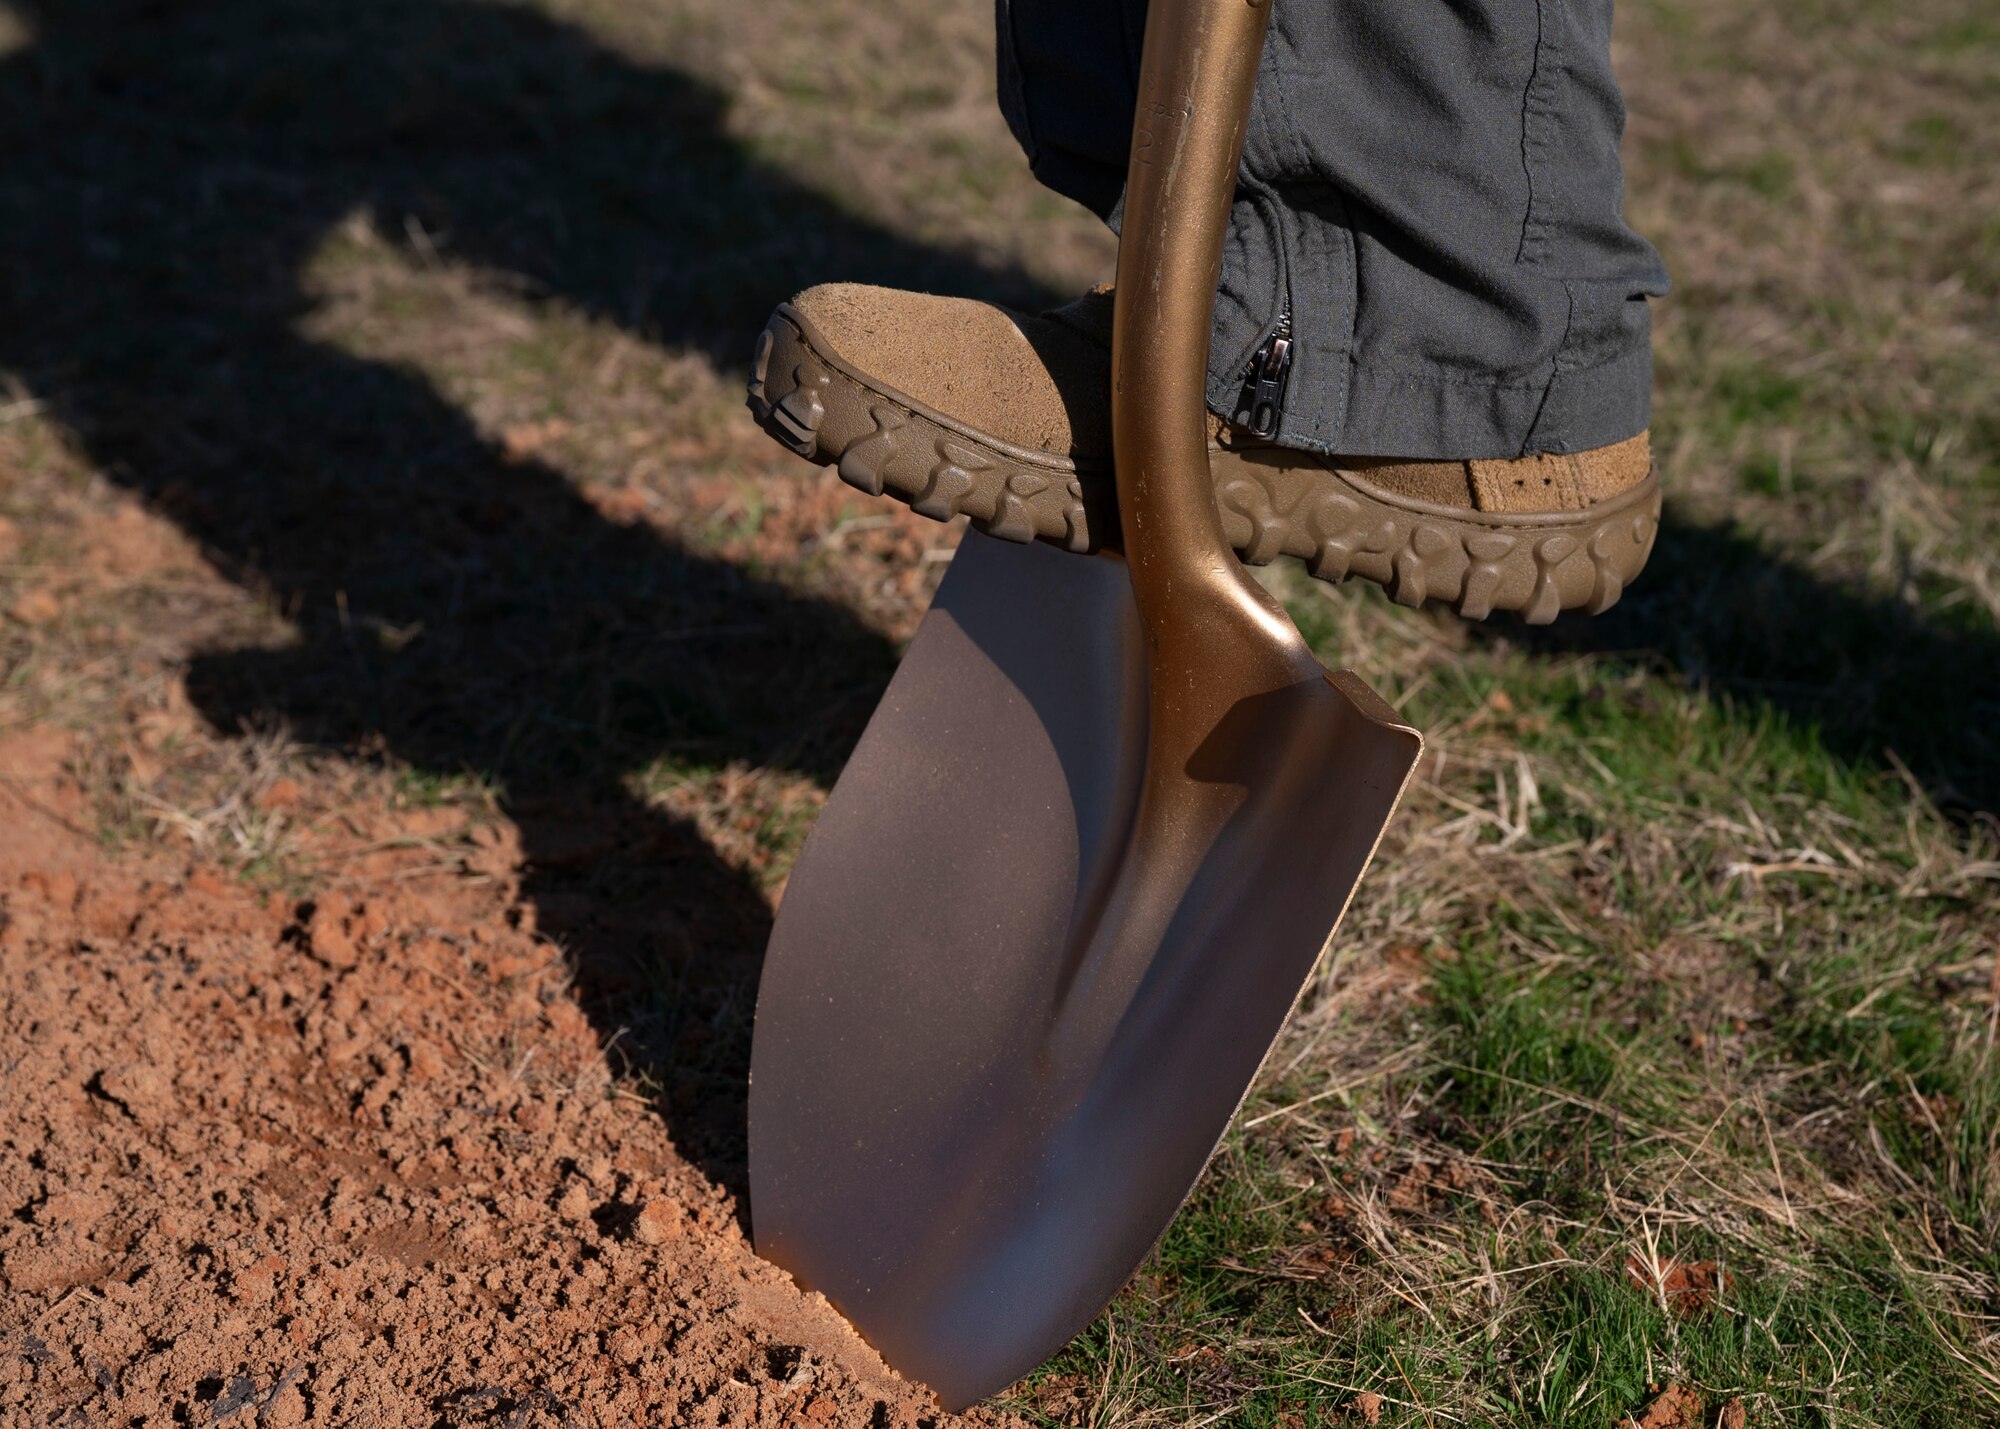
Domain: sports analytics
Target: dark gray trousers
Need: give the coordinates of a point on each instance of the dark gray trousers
(1430, 199)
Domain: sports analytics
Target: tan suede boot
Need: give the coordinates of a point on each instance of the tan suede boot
(956, 406)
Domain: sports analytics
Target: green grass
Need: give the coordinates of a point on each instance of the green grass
(1630, 1036)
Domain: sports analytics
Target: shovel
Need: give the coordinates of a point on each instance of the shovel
(1080, 864)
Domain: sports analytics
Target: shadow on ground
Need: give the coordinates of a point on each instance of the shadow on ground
(1878, 679)
(172, 166)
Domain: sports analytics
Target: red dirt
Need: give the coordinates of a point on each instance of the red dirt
(359, 1163)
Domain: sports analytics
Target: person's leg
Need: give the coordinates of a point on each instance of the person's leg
(1430, 364)
(1431, 191)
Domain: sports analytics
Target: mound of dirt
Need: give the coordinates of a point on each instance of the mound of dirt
(356, 1162)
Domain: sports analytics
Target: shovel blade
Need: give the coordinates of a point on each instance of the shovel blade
(1020, 983)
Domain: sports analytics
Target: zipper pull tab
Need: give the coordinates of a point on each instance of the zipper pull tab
(1269, 367)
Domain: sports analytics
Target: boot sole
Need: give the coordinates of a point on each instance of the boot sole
(884, 443)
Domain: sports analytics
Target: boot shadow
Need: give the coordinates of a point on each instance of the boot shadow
(1879, 681)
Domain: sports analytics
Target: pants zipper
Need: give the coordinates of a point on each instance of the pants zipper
(1264, 383)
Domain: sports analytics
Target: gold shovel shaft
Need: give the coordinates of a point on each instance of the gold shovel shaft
(1214, 631)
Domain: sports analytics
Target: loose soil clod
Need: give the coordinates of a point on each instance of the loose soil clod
(1687, 1288)
(1676, 1407)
